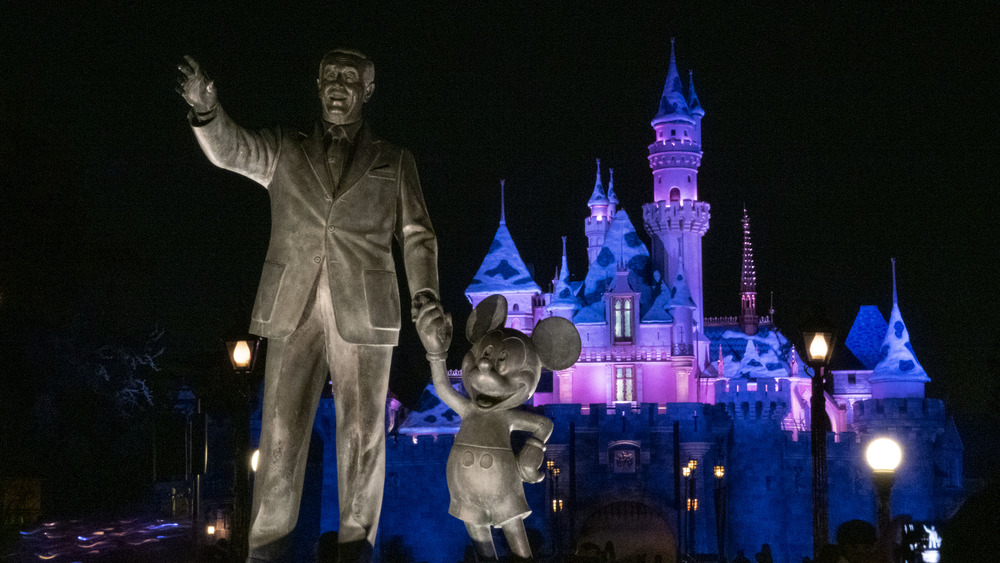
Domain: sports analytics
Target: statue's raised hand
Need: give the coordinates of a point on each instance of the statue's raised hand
(198, 91)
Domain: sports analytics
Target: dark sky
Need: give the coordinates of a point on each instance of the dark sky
(852, 134)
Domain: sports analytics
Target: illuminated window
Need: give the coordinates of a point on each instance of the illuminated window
(623, 320)
(625, 383)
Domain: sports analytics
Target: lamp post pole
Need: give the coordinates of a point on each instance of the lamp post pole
(243, 355)
(821, 522)
(720, 511)
(818, 337)
(883, 456)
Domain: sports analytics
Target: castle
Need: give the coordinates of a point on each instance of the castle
(660, 385)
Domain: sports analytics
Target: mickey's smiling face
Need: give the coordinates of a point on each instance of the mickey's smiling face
(501, 370)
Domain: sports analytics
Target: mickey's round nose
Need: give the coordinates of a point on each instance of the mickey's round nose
(485, 364)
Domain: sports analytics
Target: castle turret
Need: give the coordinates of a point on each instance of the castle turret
(612, 196)
(564, 304)
(898, 374)
(676, 220)
(504, 272)
(597, 225)
(748, 283)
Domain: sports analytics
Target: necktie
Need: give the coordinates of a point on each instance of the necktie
(336, 156)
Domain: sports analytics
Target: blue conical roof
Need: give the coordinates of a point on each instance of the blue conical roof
(673, 103)
(897, 362)
(598, 197)
(694, 106)
(502, 270)
(680, 293)
(659, 310)
(563, 297)
(612, 197)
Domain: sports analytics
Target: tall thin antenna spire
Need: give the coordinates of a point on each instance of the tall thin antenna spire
(894, 301)
(503, 215)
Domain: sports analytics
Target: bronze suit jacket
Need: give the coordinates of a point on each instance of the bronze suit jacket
(379, 199)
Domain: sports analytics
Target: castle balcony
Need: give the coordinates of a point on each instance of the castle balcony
(674, 145)
(687, 215)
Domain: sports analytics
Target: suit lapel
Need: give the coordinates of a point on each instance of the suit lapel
(315, 153)
(365, 153)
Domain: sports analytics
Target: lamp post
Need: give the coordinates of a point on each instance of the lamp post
(883, 456)
(243, 356)
(720, 511)
(819, 338)
(691, 506)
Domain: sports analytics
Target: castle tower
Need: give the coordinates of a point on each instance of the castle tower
(748, 283)
(612, 196)
(564, 304)
(898, 373)
(596, 226)
(676, 221)
(503, 271)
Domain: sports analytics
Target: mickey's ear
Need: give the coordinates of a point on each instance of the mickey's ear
(490, 314)
(557, 342)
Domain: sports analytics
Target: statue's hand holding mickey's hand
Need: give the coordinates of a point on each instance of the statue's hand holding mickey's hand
(196, 89)
(434, 326)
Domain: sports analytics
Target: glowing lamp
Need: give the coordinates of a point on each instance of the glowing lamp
(883, 455)
(686, 471)
(720, 471)
(243, 354)
(210, 530)
(819, 337)
(693, 464)
(254, 459)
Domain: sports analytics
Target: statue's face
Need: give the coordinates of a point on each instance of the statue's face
(342, 91)
(501, 371)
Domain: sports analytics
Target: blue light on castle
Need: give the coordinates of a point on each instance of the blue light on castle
(658, 382)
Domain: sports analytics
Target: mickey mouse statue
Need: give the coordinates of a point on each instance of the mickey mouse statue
(500, 373)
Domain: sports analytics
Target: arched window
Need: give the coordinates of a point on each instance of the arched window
(516, 308)
(675, 194)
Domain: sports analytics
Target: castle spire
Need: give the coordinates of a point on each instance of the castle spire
(612, 197)
(503, 218)
(895, 300)
(898, 373)
(722, 364)
(692, 100)
(673, 103)
(598, 199)
(748, 282)
(564, 303)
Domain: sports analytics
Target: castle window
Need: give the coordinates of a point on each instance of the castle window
(516, 308)
(675, 194)
(625, 383)
(852, 378)
(622, 320)
(685, 132)
(673, 132)
(689, 178)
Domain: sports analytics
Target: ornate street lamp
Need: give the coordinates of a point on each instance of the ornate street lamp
(818, 337)
(720, 511)
(883, 456)
(243, 356)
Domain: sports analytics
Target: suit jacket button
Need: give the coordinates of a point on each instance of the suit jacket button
(317, 259)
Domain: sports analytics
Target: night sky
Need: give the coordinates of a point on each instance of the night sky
(852, 135)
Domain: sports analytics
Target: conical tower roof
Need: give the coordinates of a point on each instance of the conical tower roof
(673, 103)
(897, 361)
(694, 106)
(659, 311)
(612, 197)
(503, 270)
(563, 298)
(598, 197)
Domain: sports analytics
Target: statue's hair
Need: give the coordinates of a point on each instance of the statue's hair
(367, 66)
